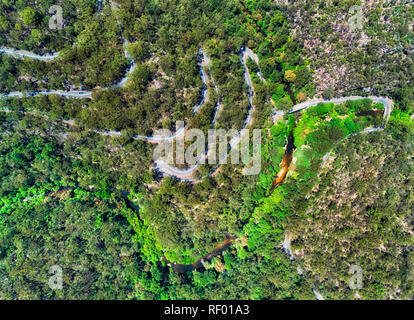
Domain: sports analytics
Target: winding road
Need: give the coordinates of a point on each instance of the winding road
(159, 165)
(27, 54)
(74, 94)
(184, 175)
(388, 104)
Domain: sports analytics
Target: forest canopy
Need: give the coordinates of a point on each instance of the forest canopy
(79, 189)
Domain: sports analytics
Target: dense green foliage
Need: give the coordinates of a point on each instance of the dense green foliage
(25, 24)
(57, 209)
(90, 46)
(365, 220)
(91, 203)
